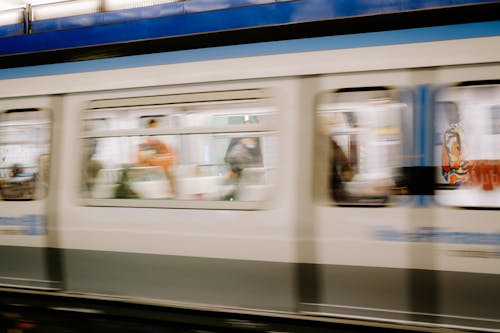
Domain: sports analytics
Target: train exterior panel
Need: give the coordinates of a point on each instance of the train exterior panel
(391, 256)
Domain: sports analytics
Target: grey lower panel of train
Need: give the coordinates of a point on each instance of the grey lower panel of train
(454, 298)
(25, 266)
(236, 283)
(440, 297)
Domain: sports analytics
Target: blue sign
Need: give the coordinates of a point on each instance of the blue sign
(31, 225)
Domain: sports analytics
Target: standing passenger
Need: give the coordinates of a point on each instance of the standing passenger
(243, 153)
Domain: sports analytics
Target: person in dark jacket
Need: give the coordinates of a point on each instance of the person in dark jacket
(243, 153)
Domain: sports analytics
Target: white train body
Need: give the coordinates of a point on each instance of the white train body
(410, 260)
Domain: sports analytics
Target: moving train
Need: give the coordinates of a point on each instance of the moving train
(373, 191)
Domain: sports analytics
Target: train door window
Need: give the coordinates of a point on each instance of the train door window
(24, 153)
(467, 144)
(361, 131)
(206, 150)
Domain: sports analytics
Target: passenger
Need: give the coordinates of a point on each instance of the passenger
(454, 166)
(342, 172)
(124, 191)
(16, 171)
(21, 185)
(154, 152)
(91, 166)
(341, 169)
(242, 153)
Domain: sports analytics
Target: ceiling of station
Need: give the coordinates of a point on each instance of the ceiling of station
(10, 4)
(69, 5)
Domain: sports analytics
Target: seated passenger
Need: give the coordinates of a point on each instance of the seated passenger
(16, 171)
(21, 185)
(154, 152)
(124, 191)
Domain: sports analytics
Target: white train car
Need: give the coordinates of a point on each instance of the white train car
(352, 231)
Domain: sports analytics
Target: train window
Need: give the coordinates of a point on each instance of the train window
(467, 145)
(360, 132)
(207, 150)
(24, 154)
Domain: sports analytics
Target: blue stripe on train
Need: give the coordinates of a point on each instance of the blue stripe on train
(458, 31)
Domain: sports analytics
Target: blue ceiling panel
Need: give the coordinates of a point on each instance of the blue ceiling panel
(168, 9)
(197, 6)
(12, 30)
(70, 22)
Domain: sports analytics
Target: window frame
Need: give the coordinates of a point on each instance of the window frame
(48, 141)
(196, 99)
(440, 187)
(321, 106)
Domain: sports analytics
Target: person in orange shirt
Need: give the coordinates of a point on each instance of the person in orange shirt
(155, 152)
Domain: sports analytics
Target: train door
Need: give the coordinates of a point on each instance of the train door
(364, 150)
(466, 231)
(25, 159)
(177, 193)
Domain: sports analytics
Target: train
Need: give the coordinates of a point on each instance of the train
(354, 176)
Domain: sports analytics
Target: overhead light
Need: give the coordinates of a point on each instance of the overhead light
(11, 4)
(126, 4)
(43, 9)
(43, 2)
(12, 16)
(14, 4)
(11, 10)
